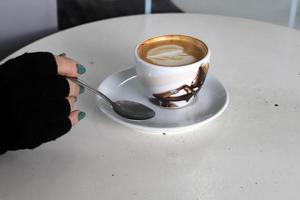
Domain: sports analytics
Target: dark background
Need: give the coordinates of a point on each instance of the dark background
(75, 12)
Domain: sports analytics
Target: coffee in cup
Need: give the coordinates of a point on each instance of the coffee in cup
(172, 68)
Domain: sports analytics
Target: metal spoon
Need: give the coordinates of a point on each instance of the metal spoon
(127, 109)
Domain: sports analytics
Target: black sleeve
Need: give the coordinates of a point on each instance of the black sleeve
(34, 109)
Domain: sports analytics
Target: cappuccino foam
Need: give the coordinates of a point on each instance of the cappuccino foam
(170, 55)
(172, 51)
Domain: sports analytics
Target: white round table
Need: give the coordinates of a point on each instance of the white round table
(252, 151)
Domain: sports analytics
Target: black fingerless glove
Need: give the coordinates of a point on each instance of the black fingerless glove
(33, 105)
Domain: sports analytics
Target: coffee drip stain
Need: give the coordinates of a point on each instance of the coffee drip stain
(167, 99)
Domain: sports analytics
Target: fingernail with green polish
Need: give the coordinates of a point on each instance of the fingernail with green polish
(81, 115)
(81, 89)
(80, 69)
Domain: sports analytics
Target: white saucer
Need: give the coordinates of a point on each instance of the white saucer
(209, 103)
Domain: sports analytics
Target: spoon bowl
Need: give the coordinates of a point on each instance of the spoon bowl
(128, 109)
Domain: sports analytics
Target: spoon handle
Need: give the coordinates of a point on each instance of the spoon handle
(97, 92)
(82, 83)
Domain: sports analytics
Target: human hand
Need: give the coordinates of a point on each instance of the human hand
(38, 99)
(68, 67)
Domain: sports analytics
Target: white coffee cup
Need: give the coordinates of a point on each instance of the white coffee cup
(172, 68)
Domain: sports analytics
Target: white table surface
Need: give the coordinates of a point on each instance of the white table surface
(252, 151)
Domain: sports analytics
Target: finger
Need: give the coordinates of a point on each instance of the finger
(39, 64)
(75, 89)
(68, 67)
(76, 116)
(57, 128)
(56, 109)
(71, 101)
(63, 54)
(56, 87)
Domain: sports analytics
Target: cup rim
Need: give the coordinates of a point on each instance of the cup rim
(170, 35)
